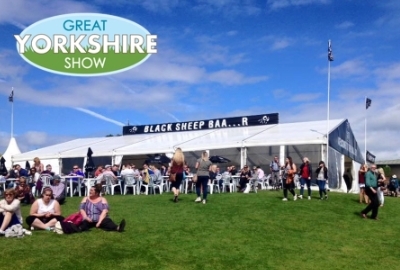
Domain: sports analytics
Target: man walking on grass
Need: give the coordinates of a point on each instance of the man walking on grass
(371, 186)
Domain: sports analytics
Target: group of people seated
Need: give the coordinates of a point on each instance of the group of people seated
(45, 212)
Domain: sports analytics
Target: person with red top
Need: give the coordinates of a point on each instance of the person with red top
(178, 160)
(361, 183)
(305, 177)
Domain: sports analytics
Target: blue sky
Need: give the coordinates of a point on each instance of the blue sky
(216, 58)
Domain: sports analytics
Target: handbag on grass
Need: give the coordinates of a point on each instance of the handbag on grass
(172, 177)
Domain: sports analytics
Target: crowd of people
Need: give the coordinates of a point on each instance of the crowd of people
(45, 211)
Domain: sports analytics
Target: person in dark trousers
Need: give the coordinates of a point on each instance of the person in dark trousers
(322, 177)
(305, 177)
(288, 179)
(371, 186)
(94, 211)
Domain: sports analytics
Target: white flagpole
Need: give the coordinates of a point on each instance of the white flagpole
(327, 120)
(12, 113)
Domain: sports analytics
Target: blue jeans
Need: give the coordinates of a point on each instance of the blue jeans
(321, 185)
(304, 181)
(202, 181)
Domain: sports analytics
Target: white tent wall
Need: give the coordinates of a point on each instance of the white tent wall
(355, 187)
(54, 162)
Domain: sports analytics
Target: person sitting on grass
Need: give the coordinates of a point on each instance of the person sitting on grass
(45, 212)
(10, 211)
(23, 192)
(94, 211)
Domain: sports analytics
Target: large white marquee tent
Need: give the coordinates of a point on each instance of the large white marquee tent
(253, 145)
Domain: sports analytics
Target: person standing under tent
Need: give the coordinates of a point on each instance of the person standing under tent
(38, 165)
(274, 168)
(322, 177)
(288, 179)
(371, 186)
(177, 163)
(305, 177)
(203, 165)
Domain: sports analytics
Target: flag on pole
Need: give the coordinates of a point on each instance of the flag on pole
(368, 103)
(330, 55)
(11, 97)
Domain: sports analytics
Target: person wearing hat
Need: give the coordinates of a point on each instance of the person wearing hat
(58, 189)
(393, 185)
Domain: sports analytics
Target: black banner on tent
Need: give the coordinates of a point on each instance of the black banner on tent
(342, 140)
(242, 121)
(370, 157)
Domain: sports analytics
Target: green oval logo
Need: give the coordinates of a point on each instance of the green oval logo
(85, 44)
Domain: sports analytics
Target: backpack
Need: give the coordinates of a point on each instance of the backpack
(75, 218)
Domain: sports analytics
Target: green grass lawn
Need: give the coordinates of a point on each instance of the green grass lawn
(232, 231)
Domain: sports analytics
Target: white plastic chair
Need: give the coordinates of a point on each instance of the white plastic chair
(90, 182)
(159, 186)
(227, 183)
(251, 185)
(45, 178)
(130, 181)
(147, 186)
(109, 186)
(213, 184)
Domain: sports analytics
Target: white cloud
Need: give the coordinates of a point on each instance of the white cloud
(231, 77)
(280, 44)
(277, 42)
(305, 97)
(349, 68)
(344, 25)
(278, 4)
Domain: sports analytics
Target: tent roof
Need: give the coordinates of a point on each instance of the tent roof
(156, 143)
(12, 149)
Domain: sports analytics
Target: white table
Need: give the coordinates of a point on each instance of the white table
(71, 188)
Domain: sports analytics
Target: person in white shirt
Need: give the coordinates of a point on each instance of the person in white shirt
(260, 173)
(127, 170)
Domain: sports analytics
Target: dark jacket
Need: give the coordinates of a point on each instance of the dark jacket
(325, 172)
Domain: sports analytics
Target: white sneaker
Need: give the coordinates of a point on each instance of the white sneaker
(198, 199)
(204, 201)
(2, 232)
(32, 228)
(309, 197)
(300, 197)
(284, 199)
(295, 197)
(26, 232)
